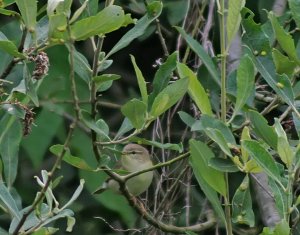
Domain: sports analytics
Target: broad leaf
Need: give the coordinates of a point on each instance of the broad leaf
(283, 63)
(258, 41)
(210, 193)
(223, 164)
(215, 124)
(242, 212)
(262, 129)
(195, 90)
(109, 19)
(169, 96)
(200, 156)
(10, 138)
(90, 123)
(9, 47)
(28, 11)
(135, 110)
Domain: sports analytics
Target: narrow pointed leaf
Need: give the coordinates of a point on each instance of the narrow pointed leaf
(263, 158)
(233, 18)
(140, 27)
(295, 9)
(141, 81)
(198, 49)
(284, 38)
(195, 90)
(283, 148)
(210, 193)
(245, 82)
(162, 76)
(70, 159)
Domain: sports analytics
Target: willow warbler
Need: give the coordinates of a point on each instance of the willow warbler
(134, 158)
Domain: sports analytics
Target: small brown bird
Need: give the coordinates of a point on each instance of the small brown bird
(134, 158)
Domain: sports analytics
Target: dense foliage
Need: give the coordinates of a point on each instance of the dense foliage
(209, 87)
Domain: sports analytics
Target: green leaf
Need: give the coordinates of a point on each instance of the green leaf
(283, 63)
(195, 90)
(213, 123)
(82, 67)
(233, 18)
(283, 148)
(9, 47)
(70, 159)
(198, 49)
(28, 11)
(218, 137)
(109, 19)
(8, 202)
(162, 76)
(141, 81)
(135, 110)
(124, 128)
(102, 80)
(295, 9)
(281, 228)
(200, 156)
(263, 158)
(262, 129)
(186, 118)
(139, 29)
(10, 138)
(245, 82)
(79, 11)
(284, 39)
(258, 41)
(169, 96)
(175, 147)
(296, 121)
(223, 164)
(242, 212)
(245, 136)
(90, 123)
(14, 109)
(211, 194)
(30, 86)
